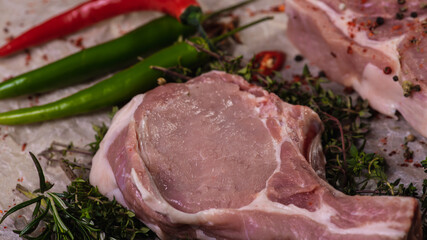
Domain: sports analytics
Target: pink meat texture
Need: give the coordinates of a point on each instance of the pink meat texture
(219, 158)
(378, 47)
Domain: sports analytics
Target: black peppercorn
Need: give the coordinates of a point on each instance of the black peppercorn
(298, 58)
(401, 1)
(395, 78)
(399, 16)
(380, 21)
(387, 70)
(414, 14)
(322, 74)
(416, 88)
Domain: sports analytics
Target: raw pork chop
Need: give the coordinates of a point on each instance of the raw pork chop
(217, 157)
(376, 46)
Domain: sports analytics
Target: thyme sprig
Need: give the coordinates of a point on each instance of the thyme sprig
(349, 167)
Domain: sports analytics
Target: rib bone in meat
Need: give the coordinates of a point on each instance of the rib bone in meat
(378, 47)
(219, 158)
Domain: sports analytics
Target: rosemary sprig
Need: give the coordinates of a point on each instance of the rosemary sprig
(81, 212)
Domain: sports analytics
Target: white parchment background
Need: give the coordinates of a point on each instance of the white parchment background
(18, 15)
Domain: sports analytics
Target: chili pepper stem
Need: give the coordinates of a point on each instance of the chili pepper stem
(122, 86)
(236, 30)
(225, 10)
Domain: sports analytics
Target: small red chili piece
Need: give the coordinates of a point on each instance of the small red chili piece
(388, 70)
(267, 62)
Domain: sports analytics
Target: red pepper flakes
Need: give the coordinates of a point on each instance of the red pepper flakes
(297, 78)
(5, 136)
(78, 42)
(28, 57)
(384, 141)
(349, 50)
(24, 146)
(392, 153)
(4, 227)
(351, 25)
(409, 160)
(273, 9)
(279, 8)
(404, 165)
(396, 27)
(21, 179)
(44, 57)
(1, 211)
(417, 165)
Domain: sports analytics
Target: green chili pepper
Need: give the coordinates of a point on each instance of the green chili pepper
(122, 86)
(98, 60)
(112, 91)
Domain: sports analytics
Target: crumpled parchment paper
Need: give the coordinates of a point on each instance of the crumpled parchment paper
(16, 141)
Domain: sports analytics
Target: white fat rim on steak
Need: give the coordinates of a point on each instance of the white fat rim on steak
(261, 202)
(387, 96)
(392, 93)
(340, 20)
(390, 96)
(101, 174)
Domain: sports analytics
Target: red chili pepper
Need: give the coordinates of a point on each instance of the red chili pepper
(89, 13)
(268, 61)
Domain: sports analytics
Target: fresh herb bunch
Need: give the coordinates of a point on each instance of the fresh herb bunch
(346, 124)
(81, 212)
(349, 168)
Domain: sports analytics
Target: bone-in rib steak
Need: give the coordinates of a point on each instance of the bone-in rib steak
(217, 157)
(376, 46)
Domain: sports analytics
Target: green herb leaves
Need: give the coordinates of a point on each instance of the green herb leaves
(81, 212)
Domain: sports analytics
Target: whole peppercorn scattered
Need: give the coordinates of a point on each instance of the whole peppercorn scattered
(395, 78)
(387, 70)
(414, 14)
(399, 16)
(322, 74)
(298, 58)
(380, 21)
(416, 88)
(401, 1)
